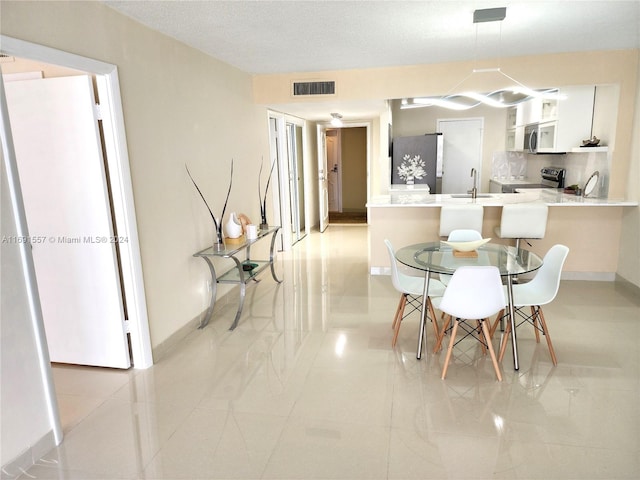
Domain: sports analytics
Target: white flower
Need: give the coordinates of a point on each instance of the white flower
(412, 167)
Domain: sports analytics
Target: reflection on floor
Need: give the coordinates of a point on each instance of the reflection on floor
(308, 387)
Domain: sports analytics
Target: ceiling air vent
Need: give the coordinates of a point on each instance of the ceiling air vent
(314, 88)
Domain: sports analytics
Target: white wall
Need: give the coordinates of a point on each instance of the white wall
(27, 428)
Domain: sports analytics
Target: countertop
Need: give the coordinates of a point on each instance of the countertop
(550, 196)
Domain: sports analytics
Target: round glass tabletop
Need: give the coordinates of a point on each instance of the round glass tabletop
(438, 257)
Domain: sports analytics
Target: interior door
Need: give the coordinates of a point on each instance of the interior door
(335, 171)
(323, 194)
(462, 151)
(59, 156)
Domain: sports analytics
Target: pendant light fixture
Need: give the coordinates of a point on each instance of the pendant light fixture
(502, 98)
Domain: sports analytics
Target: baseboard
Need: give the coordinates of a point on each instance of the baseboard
(633, 288)
(163, 348)
(16, 467)
(591, 276)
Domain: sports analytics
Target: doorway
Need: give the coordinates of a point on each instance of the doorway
(347, 174)
(117, 165)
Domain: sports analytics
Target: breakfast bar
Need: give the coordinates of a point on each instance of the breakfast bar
(590, 227)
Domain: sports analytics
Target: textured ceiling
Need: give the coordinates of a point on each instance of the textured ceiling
(262, 37)
(300, 36)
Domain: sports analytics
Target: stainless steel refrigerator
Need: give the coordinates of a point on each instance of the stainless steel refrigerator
(417, 160)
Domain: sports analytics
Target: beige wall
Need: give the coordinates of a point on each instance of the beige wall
(629, 260)
(598, 68)
(180, 107)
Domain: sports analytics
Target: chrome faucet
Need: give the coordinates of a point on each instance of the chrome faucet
(474, 190)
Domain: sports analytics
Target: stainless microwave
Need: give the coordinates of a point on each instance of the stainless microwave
(531, 138)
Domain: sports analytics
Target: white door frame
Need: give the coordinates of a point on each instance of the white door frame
(322, 127)
(120, 175)
(281, 189)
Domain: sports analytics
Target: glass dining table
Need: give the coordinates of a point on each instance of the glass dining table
(440, 258)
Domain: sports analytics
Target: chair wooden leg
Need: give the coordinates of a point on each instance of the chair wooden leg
(534, 319)
(452, 340)
(443, 330)
(503, 344)
(479, 331)
(487, 337)
(399, 309)
(545, 331)
(398, 320)
(432, 314)
(493, 328)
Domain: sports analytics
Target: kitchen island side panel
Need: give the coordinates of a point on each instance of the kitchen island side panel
(591, 233)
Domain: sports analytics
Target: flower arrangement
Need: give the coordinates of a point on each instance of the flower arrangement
(411, 168)
(218, 243)
(263, 199)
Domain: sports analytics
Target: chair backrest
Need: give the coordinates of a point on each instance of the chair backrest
(464, 235)
(543, 288)
(524, 220)
(395, 274)
(474, 292)
(454, 217)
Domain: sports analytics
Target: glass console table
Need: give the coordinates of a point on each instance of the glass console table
(243, 271)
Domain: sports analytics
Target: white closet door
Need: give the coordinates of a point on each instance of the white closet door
(62, 176)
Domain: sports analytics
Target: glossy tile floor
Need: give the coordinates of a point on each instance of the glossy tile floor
(307, 387)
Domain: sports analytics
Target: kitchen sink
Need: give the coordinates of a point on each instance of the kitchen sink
(468, 195)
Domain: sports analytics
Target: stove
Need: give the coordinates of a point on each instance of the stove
(550, 177)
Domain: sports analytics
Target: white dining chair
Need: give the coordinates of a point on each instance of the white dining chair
(460, 235)
(474, 293)
(454, 217)
(523, 220)
(411, 290)
(541, 290)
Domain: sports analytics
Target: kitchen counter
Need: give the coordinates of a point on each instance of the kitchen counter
(406, 217)
(550, 196)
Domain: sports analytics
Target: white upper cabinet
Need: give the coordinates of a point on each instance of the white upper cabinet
(565, 122)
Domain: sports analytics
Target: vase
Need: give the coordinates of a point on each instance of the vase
(264, 225)
(218, 242)
(233, 227)
(410, 180)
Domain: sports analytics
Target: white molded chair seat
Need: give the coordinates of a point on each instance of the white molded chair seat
(541, 290)
(523, 220)
(454, 217)
(411, 289)
(474, 293)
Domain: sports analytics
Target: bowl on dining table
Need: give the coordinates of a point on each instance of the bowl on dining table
(467, 246)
